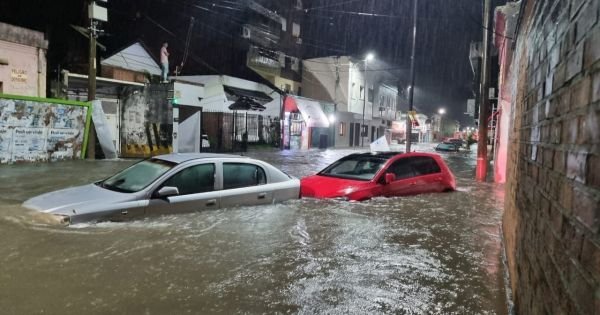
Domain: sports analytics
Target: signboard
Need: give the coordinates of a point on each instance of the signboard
(18, 75)
(471, 107)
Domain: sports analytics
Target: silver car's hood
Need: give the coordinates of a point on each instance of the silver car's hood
(76, 200)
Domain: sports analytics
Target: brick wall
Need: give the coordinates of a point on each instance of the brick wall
(552, 210)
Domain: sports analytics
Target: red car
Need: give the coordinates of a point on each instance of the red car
(362, 176)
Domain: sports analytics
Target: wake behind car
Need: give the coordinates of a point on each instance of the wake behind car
(172, 183)
(366, 175)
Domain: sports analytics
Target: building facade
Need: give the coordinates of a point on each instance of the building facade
(365, 102)
(22, 61)
(551, 221)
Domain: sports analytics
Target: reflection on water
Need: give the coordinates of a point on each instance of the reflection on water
(435, 253)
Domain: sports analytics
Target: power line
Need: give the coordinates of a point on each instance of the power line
(330, 5)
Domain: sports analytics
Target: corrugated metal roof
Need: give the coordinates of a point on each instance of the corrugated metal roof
(135, 58)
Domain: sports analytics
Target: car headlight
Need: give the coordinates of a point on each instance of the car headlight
(62, 219)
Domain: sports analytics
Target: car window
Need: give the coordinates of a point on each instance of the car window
(194, 179)
(238, 175)
(424, 165)
(414, 166)
(447, 146)
(137, 176)
(402, 169)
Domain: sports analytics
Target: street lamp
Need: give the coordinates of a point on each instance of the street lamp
(368, 57)
(441, 112)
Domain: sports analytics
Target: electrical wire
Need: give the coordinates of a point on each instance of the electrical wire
(330, 5)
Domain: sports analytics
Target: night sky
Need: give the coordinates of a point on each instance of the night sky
(332, 27)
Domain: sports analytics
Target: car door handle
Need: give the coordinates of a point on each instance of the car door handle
(413, 183)
(262, 195)
(211, 202)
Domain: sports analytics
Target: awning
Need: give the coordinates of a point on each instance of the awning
(246, 103)
(258, 96)
(312, 113)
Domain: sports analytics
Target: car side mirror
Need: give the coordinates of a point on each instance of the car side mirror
(167, 191)
(389, 177)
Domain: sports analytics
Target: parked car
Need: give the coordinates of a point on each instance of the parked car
(447, 146)
(366, 175)
(172, 183)
(459, 142)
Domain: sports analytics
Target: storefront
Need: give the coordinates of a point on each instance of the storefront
(306, 125)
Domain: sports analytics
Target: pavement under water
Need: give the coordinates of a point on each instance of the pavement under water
(425, 254)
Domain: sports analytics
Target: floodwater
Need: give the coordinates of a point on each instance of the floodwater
(426, 254)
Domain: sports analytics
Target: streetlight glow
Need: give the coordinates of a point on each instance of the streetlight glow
(442, 111)
(331, 118)
(370, 56)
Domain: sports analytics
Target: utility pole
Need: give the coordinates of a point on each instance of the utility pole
(95, 14)
(362, 126)
(411, 91)
(93, 32)
(481, 169)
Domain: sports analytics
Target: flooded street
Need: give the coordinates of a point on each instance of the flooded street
(426, 254)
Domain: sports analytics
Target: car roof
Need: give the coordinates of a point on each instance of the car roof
(384, 155)
(388, 155)
(184, 157)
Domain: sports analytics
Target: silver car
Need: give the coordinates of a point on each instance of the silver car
(172, 183)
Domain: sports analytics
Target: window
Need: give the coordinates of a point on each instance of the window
(370, 95)
(238, 175)
(424, 165)
(137, 176)
(355, 167)
(402, 169)
(361, 95)
(414, 166)
(193, 180)
(365, 131)
(295, 29)
(342, 129)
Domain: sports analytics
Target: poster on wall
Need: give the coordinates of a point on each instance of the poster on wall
(32, 130)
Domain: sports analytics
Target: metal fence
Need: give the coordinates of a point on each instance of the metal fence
(232, 132)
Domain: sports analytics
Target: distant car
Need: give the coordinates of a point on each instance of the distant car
(459, 142)
(366, 175)
(447, 146)
(172, 183)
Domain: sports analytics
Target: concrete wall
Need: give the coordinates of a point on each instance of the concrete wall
(551, 222)
(147, 122)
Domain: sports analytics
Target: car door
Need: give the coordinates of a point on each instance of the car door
(244, 184)
(196, 185)
(406, 181)
(428, 174)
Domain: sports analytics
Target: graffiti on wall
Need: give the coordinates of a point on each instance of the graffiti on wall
(147, 124)
(38, 131)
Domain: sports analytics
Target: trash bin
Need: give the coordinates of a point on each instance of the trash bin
(323, 141)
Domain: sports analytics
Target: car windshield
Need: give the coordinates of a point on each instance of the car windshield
(355, 167)
(137, 176)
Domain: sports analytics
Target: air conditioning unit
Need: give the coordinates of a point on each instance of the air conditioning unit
(246, 32)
